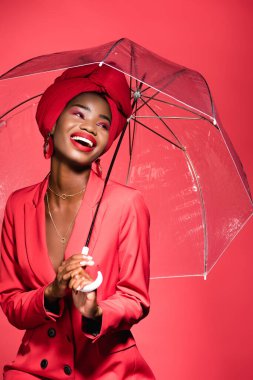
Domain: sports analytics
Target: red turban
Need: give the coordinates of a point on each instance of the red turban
(91, 78)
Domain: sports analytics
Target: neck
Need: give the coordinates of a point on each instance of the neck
(67, 180)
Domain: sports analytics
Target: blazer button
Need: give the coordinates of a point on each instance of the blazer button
(51, 333)
(67, 370)
(44, 363)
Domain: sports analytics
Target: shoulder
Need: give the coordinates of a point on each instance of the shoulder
(23, 195)
(16, 200)
(122, 192)
(125, 197)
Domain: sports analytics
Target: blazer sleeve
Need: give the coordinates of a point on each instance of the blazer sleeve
(23, 307)
(130, 303)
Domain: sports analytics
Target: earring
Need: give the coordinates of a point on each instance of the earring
(48, 147)
(98, 167)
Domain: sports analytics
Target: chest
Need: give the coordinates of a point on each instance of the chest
(39, 251)
(59, 224)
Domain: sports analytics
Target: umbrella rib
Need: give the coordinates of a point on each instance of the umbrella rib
(210, 95)
(179, 72)
(15, 67)
(167, 117)
(130, 85)
(194, 172)
(111, 49)
(131, 137)
(18, 105)
(158, 134)
(175, 75)
(163, 122)
(134, 105)
(161, 91)
(131, 144)
(146, 102)
(131, 69)
(183, 108)
(145, 89)
(41, 56)
(196, 176)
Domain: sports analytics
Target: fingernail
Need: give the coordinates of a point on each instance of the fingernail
(88, 257)
(78, 288)
(90, 263)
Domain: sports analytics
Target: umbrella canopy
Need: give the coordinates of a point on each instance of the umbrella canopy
(174, 150)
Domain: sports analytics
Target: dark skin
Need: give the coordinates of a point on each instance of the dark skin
(89, 114)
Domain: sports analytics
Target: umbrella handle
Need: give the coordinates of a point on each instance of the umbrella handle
(93, 285)
(96, 283)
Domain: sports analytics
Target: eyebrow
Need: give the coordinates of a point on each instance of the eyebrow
(88, 109)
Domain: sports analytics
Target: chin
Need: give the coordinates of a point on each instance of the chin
(72, 160)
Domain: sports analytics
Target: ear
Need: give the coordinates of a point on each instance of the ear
(53, 129)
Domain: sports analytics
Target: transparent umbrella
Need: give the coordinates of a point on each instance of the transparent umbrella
(173, 149)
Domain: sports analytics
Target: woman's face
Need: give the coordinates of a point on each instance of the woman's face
(82, 131)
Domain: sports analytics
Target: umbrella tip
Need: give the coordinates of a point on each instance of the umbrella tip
(101, 63)
(137, 94)
(205, 276)
(3, 123)
(214, 122)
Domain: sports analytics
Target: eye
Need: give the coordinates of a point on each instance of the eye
(104, 126)
(78, 114)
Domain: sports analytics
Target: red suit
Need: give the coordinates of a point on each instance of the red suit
(60, 346)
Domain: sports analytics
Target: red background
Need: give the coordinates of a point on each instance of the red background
(196, 329)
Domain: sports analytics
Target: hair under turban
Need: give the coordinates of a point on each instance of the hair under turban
(74, 81)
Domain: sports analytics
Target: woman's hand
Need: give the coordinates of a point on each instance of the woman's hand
(68, 269)
(86, 303)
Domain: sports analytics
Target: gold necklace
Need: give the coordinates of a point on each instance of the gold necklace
(63, 239)
(65, 196)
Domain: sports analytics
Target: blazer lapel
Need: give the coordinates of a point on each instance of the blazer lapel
(35, 230)
(35, 237)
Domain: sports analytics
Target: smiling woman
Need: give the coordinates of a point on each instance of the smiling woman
(44, 269)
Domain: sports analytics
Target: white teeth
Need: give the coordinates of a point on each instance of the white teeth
(79, 138)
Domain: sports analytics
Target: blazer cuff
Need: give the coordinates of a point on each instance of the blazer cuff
(91, 327)
(54, 314)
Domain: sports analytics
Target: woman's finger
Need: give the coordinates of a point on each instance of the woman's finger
(78, 264)
(67, 276)
(73, 264)
(82, 284)
(73, 283)
(77, 257)
(78, 283)
(78, 271)
(66, 272)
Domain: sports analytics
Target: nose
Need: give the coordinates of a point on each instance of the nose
(89, 126)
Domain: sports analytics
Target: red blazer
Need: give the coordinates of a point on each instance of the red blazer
(59, 346)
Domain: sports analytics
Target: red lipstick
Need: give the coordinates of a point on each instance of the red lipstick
(83, 141)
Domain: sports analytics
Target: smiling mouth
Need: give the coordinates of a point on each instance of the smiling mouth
(83, 141)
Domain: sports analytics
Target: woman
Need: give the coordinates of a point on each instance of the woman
(69, 333)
